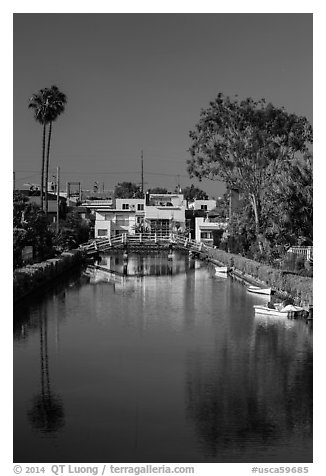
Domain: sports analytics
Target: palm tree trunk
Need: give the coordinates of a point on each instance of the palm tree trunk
(256, 209)
(43, 159)
(47, 168)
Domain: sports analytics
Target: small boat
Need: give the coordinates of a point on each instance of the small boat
(279, 311)
(221, 269)
(258, 290)
(220, 275)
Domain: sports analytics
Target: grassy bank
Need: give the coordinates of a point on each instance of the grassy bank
(286, 284)
(35, 276)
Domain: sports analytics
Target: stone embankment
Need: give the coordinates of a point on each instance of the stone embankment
(285, 284)
(33, 277)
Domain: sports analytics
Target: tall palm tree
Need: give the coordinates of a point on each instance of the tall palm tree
(37, 103)
(55, 105)
(48, 104)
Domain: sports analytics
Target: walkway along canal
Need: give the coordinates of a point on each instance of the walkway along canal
(169, 366)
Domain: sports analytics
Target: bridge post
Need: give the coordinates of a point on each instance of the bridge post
(155, 237)
(140, 238)
(186, 243)
(125, 253)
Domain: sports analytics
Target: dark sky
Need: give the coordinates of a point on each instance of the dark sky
(139, 81)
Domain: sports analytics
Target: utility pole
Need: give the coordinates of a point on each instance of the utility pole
(14, 180)
(58, 193)
(142, 174)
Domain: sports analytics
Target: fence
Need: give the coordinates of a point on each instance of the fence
(305, 251)
(102, 244)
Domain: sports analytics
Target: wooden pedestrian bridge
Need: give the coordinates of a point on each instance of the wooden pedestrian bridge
(142, 242)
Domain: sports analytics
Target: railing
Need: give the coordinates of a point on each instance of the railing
(305, 251)
(102, 244)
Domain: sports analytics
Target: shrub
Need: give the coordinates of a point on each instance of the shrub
(299, 287)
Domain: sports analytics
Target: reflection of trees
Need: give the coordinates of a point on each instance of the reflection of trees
(47, 411)
(26, 312)
(242, 400)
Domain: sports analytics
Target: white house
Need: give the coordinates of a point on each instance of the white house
(204, 229)
(165, 213)
(207, 205)
(112, 222)
(157, 213)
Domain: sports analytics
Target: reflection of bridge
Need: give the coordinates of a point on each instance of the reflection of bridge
(142, 240)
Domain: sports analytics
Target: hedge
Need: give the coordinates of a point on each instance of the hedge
(300, 288)
(32, 277)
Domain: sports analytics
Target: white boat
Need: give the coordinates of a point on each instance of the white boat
(258, 290)
(221, 269)
(279, 311)
(220, 275)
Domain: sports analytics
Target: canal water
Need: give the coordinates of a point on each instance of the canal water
(165, 364)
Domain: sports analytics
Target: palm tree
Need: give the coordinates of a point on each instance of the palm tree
(55, 105)
(37, 103)
(48, 104)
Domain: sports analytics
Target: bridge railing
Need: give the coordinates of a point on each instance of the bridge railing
(99, 244)
(305, 251)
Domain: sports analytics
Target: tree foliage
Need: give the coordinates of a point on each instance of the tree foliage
(247, 144)
(74, 230)
(127, 190)
(194, 193)
(288, 207)
(30, 229)
(158, 190)
(47, 104)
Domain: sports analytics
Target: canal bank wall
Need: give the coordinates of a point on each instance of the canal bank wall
(285, 284)
(34, 277)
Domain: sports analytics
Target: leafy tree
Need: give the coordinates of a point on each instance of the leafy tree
(48, 104)
(158, 190)
(221, 209)
(288, 208)
(241, 232)
(193, 193)
(246, 144)
(74, 230)
(127, 190)
(30, 229)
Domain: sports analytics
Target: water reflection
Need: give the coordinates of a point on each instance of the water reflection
(163, 367)
(146, 265)
(257, 404)
(47, 413)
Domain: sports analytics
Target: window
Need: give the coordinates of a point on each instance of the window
(102, 232)
(125, 206)
(160, 226)
(206, 235)
(140, 206)
(203, 207)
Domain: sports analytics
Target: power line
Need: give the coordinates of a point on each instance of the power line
(92, 173)
(106, 173)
